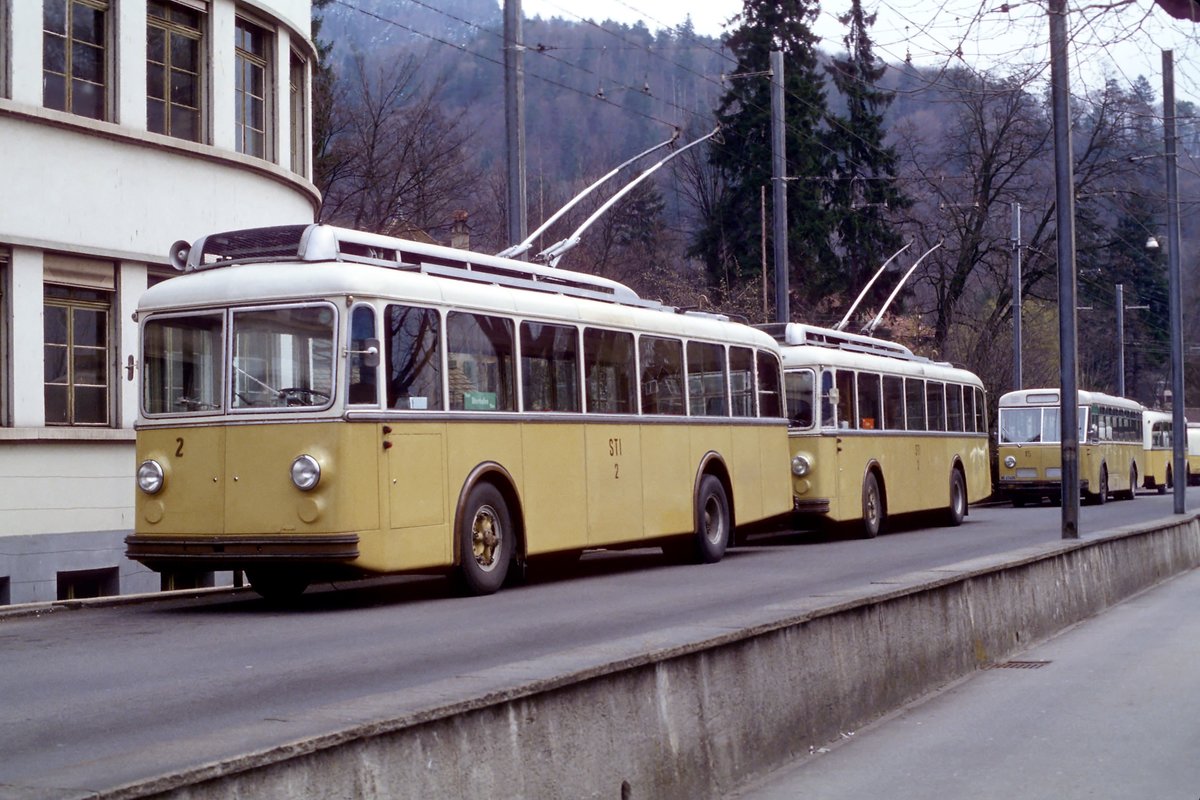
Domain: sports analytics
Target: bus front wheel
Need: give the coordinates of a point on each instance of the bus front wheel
(1101, 496)
(872, 507)
(277, 587)
(958, 500)
(485, 539)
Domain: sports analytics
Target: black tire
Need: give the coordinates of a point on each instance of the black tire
(872, 507)
(1018, 502)
(1132, 483)
(485, 540)
(957, 509)
(714, 522)
(1101, 496)
(278, 587)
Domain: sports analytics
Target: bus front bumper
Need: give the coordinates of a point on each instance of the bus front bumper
(233, 552)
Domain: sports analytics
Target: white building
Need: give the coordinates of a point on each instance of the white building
(125, 125)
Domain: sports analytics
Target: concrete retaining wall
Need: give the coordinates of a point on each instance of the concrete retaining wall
(710, 706)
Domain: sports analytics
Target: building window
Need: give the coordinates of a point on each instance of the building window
(84, 583)
(5, 316)
(77, 355)
(253, 47)
(74, 57)
(173, 78)
(299, 112)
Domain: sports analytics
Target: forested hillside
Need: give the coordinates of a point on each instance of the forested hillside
(879, 155)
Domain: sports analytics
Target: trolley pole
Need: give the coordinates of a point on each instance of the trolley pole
(514, 119)
(1016, 295)
(783, 312)
(1120, 340)
(1064, 204)
(1178, 425)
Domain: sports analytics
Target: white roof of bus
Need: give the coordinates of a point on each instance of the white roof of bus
(1050, 397)
(292, 281)
(797, 356)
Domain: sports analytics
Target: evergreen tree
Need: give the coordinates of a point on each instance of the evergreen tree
(729, 241)
(863, 186)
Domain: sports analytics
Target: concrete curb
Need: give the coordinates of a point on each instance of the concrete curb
(701, 709)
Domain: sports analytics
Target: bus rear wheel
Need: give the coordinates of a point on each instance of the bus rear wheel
(957, 509)
(1101, 496)
(714, 523)
(485, 540)
(872, 507)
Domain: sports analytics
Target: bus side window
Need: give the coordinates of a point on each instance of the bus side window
(914, 395)
(799, 383)
(608, 367)
(707, 394)
(479, 351)
(847, 417)
(741, 381)
(414, 358)
(549, 367)
(893, 402)
(662, 375)
(363, 370)
(769, 390)
(869, 402)
(827, 393)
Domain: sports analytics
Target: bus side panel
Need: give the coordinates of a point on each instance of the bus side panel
(190, 501)
(774, 463)
(749, 481)
(822, 482)
(670, 473)
(614, 483)
(905, 464)
(259, 494)
(555, 487)
(974, 455)
(416, 497)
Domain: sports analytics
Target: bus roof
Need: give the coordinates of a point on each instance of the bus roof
(810, 345)
(265, 281)
(1050, 397)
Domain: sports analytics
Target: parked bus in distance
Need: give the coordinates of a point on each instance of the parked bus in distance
(319, 403)
(878, 431)
(1110, 446)
(1158, 446)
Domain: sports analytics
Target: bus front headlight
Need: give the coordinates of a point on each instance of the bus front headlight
(1010, 462)
(306, 472)
(150, 477)
(801, 465)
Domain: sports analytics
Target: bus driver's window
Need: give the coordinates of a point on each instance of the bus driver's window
(363, 369)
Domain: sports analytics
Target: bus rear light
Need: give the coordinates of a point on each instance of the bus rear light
(306, 472)
(150, 477)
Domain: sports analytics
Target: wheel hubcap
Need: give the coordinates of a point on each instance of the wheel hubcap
(713, 521)
(485, 538)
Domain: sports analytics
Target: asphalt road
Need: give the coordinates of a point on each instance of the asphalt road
(100, 696)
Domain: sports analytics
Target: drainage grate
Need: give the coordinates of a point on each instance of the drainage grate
(1019, 665)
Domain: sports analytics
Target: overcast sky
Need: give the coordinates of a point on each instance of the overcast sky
(1120, 43)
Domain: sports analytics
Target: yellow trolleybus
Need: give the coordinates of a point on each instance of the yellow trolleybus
(1158, 446)
(1110, 446)
(320, 403)
(876, 430)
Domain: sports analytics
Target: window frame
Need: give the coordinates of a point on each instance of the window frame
(69, 42)
(199, 35)
(72, 303)
(264, 62)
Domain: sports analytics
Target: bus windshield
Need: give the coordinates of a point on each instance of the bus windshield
(1036, 425)
(283, 357)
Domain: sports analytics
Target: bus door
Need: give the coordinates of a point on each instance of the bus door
(614, 461)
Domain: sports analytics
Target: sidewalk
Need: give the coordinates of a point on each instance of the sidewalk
(1109, 709)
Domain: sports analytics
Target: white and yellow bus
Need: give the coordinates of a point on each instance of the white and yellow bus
(1110, 446)
(320, 403)
(878, 431)
(1193, 453)
(1158, 447)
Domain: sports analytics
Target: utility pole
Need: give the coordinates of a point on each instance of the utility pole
(1016, 298)
(783, 312)
(1175, 285)
(1120, 340)
(1064, 204)
(514, 119)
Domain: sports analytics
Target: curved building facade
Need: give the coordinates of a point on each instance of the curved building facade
(125, 125)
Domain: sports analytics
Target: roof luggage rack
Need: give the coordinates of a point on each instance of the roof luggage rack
(309, 243)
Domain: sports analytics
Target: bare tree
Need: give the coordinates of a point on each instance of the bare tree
(394, 162)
